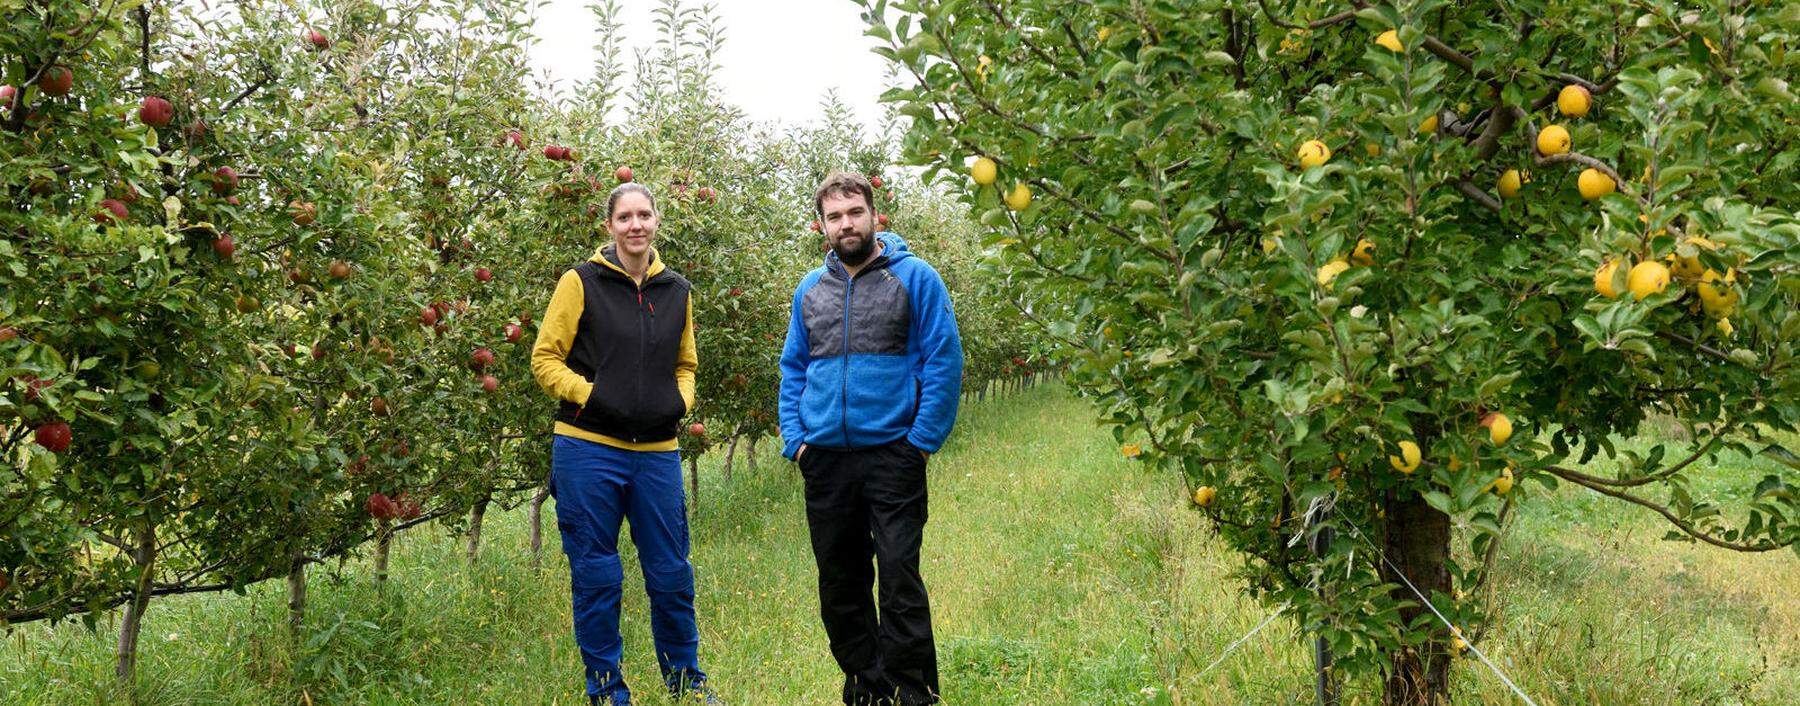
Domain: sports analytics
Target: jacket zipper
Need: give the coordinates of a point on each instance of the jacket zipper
(844, 386)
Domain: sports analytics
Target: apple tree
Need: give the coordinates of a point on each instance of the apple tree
(1391, 270)
(215, 357)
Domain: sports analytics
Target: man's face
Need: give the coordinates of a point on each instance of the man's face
(849, 227)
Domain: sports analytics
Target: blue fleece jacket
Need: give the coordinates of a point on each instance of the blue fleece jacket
(872, 360)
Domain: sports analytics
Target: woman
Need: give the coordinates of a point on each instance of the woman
(617, 348)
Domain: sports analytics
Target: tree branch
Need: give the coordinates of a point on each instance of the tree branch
(1686, 527)
(1344, 16)
(1478, 195)
(1652, 478)
(268, 76)
(1103, 222)
(1447, 53)
(1696, 345)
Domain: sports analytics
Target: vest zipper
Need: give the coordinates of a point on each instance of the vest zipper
(643, 352)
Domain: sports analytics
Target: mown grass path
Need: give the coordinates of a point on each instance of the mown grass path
(1060, 573)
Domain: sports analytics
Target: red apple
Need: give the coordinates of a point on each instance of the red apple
(7, 93)
(233, 200)
(317, 40)
(195, 129)
(319, 350)
(706, 194)
(156, 111)
(490, 384)
(291, 350)
(552, 152)
(481, 358)
(882, 219)
(224, 246)
(697, 429)
(816, 227)
(54, 436)
(379, 407)
(381, 507)
(516, 139)
(736, 292)
(484, 275)
(514, 333)
(56, 81)
(340, 269)
(623, 174)
(409, 508)
(225, 180)
(428, 316)
(111, 211)
(303, 213)
(875, 181)
(8, 333)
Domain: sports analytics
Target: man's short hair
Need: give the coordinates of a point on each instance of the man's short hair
(843, 184)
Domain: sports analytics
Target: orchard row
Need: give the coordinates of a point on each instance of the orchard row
(300, 322)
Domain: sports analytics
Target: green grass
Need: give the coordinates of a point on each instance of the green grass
(1060, 573)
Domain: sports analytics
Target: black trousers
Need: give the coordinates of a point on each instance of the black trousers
(866, 510)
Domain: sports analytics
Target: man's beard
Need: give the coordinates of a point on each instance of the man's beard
(857, 256)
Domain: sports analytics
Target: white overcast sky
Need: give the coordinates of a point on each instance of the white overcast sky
(779, 57)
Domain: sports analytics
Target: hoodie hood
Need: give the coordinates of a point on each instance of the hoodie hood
(607, 256)
(893, 249)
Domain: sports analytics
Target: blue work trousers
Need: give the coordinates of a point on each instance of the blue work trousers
(596, 487)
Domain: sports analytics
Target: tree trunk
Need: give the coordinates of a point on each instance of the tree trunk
(537, 526)
(694, 467)
(296, 595)
(144, 556)
(730, 455)
(750, 460)
(476, 515)
(1418, 543)
(383, 542)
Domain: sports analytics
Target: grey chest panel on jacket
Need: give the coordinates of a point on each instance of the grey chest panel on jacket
(880, 315)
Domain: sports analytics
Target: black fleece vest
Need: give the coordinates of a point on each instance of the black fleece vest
(627, 344)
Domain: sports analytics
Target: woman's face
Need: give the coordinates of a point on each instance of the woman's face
(633, 224)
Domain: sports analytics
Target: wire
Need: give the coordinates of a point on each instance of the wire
(1434, 611)
(1240, 641)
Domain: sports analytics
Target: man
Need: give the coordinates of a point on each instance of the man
(870, 380)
